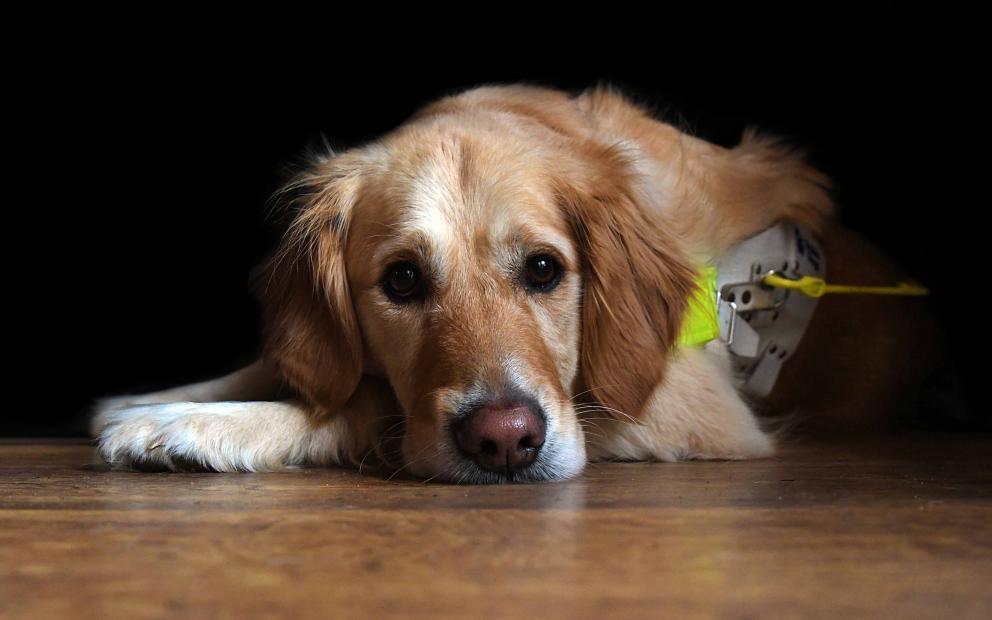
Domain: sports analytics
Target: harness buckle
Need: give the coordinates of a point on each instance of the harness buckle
(750, 296)
(761, 325)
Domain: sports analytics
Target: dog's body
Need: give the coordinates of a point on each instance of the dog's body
(493, 292)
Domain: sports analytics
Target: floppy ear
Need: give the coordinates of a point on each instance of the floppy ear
(636, 283)
(311, 331)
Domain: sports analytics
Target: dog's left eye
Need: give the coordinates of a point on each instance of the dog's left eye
(402, 282)
(542, 273)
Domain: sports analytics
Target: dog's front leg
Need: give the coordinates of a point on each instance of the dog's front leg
(224, 430)
(231, 436)
(695, 413)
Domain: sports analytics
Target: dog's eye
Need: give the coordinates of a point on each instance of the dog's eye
(542, 273)
(402, 282)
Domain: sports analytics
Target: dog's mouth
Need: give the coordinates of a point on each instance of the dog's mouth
(472, 434)
(461, 454)
(544, 468)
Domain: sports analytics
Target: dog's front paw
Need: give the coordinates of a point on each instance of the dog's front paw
(149, 437)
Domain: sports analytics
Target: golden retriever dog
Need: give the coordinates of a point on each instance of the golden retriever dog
(493, 292)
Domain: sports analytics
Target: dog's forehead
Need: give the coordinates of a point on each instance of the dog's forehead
(452, 194)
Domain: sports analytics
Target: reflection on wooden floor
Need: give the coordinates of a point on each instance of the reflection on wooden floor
(899, 526)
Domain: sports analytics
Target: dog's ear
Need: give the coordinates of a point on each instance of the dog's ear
(636, 281)
(311, 331)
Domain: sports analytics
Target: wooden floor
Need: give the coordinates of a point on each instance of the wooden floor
(900, 527)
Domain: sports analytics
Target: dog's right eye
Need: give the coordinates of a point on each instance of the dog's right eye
(542, 273)
(402, 282)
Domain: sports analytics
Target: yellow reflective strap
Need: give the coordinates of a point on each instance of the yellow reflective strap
(817, 287)
(700, 323)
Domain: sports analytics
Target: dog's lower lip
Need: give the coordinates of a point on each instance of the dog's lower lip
(478, 475)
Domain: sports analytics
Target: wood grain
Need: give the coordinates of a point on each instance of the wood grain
(895, 527)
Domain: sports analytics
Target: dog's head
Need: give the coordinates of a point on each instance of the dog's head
(497, 265)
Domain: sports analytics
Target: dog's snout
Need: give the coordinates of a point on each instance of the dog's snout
(501, 438)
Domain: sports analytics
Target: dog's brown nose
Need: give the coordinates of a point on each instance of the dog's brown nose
(501, 439)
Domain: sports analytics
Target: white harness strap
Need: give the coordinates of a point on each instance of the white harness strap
(759, 325)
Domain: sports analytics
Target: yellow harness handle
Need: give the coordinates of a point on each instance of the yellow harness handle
(817, 287)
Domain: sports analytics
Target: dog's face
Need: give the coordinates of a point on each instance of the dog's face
(491, 271)
(466, 283)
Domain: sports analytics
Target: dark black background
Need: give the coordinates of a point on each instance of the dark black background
(145, 157)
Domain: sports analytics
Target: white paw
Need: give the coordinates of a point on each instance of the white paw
(150, 437)
(226, 436)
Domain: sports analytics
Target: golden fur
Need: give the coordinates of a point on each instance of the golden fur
(467, 189)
